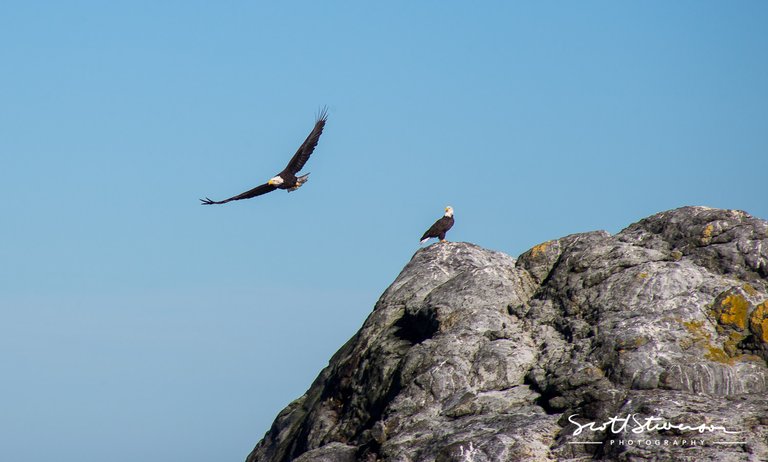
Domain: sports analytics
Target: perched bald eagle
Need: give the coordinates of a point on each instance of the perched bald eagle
(440, 227)
(286, 179)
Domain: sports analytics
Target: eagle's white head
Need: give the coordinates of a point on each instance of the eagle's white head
(449, 211)
(276, 181)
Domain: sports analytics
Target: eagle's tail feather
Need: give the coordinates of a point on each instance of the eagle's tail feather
(300, 181)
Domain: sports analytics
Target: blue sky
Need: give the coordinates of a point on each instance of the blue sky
(138, 325)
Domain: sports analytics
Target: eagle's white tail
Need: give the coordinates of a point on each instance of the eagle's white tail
(424, 240)
(300, 181)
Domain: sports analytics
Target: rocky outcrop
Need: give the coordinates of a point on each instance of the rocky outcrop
(472, 355)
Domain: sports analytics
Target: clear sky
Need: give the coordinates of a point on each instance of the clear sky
(138, 325)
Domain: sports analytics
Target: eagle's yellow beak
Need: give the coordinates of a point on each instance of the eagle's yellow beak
(271, 182)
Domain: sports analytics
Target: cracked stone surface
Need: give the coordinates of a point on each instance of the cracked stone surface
(472, 355)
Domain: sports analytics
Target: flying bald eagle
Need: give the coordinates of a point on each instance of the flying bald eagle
(286, 179)
(440, 227)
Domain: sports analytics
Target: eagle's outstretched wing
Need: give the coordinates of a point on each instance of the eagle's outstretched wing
(257, 191)
(305, 150)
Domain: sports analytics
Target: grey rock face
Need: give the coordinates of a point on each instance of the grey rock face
(471, 355)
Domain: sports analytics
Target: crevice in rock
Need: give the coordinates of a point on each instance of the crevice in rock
(368, 451)
(377, 408)
(369, 447)
(545, 394)
(417, 327)
(299, 444)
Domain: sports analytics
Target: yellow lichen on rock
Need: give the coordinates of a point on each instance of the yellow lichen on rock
(727, 353)
(734, 309)
(696, 328)
(539, 249)
(758, 322)
(731, 344)
(718, 355)
(706, 236)
(749, 289)
(631, 343)
(698, 335)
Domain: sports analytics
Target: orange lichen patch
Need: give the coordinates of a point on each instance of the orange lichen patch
(758, 322)
(734, 309)
(706, 236)
(540, 249)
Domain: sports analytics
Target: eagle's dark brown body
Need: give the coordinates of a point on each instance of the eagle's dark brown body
(440, 227)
